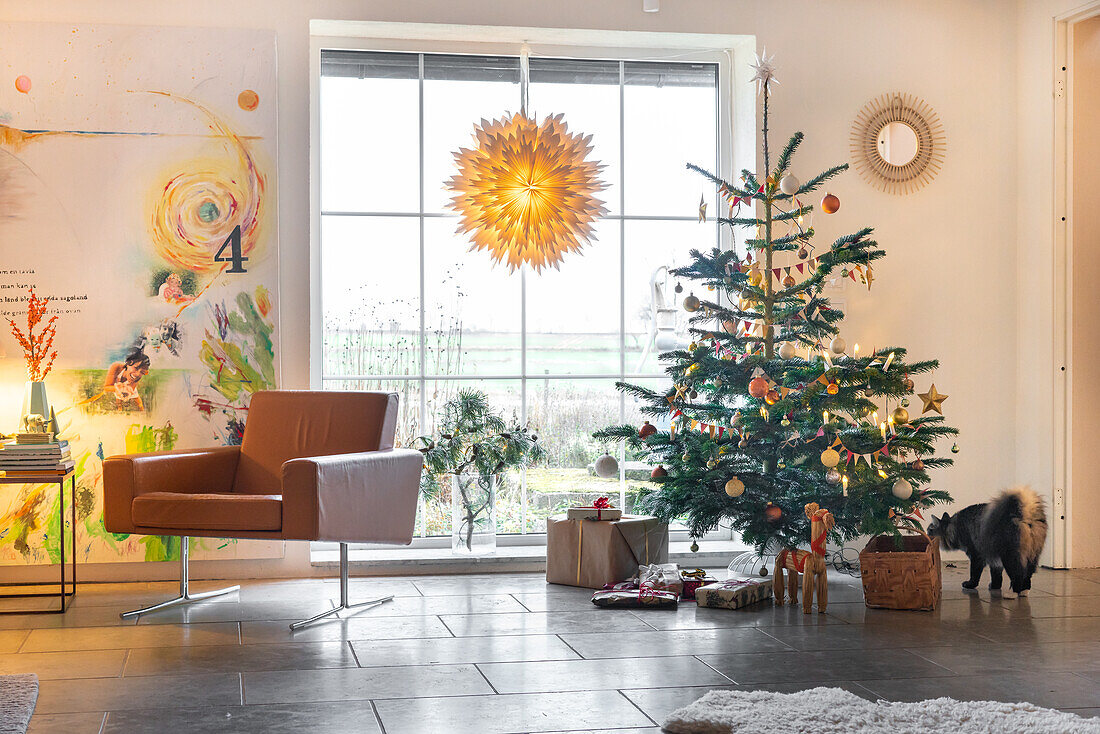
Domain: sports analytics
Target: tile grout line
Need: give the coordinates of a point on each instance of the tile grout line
(719, 672)
(377, 716)
(354, 655)
(631, 702)
(125, 662)
(445, 626)
(477, 667)
(575, 651)
(520, 602)
(23, 642)
(773, 637)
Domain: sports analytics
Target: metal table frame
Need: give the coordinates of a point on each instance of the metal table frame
(63, 593)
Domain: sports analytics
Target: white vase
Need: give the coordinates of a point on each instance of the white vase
(473, 514)
(35, 401)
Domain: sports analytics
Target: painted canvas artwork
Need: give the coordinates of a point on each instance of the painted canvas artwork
(137, 193)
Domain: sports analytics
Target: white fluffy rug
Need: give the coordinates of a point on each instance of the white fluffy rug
(18, 694)
(829, 710)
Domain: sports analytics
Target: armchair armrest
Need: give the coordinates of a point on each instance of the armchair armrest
(183, 470)
(367, 497)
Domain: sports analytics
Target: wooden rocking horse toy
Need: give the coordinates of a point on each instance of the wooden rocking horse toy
(811, 564)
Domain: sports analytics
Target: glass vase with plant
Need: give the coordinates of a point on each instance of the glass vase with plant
(473, 447)
(39, 354)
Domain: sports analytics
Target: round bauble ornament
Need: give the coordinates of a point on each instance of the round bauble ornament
(781, 464)
(785, 422)
(712, 463)
(837, 345)
(830, 203)
(686, 457)
(832, 388)
(647, 429)
(658, 472)
(694, 547)
(692, 394)
(786, 350)
(902, 489)
(907, 384)
(691, 303)
(679, 288)
(773, 513)
(900, 416)
(830, 457)
(735, 487)
(742, 443)
(758, 387)
(692, 367)
(918, 465)
(955, 448)
(789, 185)
(771, 397)
(693, 346)
(905, 402)
(763, 571)
(832, 476)
(607, 466)
(717, 382)
(788, 281)
(803, 254)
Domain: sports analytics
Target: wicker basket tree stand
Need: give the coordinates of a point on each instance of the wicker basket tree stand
(902, 571)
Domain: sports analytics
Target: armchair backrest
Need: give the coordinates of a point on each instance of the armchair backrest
(295, 424)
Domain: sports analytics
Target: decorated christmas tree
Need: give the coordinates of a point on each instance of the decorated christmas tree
(768, 408)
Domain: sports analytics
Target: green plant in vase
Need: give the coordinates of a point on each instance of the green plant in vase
(473, 447)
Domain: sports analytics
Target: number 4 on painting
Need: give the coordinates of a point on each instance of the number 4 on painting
(233, 242)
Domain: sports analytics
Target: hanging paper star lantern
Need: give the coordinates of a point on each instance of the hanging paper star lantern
(526, 192)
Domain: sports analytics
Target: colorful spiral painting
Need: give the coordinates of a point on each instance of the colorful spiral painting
(139, 199)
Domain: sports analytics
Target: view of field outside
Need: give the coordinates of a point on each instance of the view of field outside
(408, 308)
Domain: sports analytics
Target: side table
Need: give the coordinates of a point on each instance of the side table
(64, 594)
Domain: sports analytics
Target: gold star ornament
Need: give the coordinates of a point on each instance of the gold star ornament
(526, 191)
(933, 400)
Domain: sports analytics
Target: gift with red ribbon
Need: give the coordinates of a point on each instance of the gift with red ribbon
(692, 580)
(634, 595)
(600, 510)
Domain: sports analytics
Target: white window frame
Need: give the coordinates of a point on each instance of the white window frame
(736, 112)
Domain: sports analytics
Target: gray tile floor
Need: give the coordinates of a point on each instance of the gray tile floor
(506, 654)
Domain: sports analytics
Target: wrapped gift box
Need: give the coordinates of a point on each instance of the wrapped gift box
(593, 554)
(594, 513)
(734, 593)
(633, 596)
(692, 580)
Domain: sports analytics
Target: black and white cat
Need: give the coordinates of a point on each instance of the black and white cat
(1007, 533)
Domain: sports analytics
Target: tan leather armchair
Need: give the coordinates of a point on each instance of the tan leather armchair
(311, 466)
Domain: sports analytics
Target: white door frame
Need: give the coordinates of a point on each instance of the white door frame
(1062, 518)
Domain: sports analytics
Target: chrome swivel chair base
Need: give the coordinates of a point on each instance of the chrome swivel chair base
(185, 597)
(344, 605)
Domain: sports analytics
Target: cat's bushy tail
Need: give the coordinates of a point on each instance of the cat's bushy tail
(1014, 522)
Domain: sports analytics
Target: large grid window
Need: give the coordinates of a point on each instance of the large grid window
(407, 306)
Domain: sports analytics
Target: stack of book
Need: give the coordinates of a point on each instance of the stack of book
(35, 454)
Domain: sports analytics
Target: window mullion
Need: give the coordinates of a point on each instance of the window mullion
(421, 382)
(622, 271)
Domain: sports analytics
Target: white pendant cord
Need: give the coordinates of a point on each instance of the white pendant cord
(524, 78)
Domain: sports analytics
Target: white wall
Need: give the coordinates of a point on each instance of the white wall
(948, 288)
(1085, 182)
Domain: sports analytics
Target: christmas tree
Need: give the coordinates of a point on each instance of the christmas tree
(767, 410)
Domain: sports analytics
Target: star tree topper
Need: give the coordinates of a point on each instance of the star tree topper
(764, 70)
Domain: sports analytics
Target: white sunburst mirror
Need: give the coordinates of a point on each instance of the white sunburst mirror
(897, 143)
